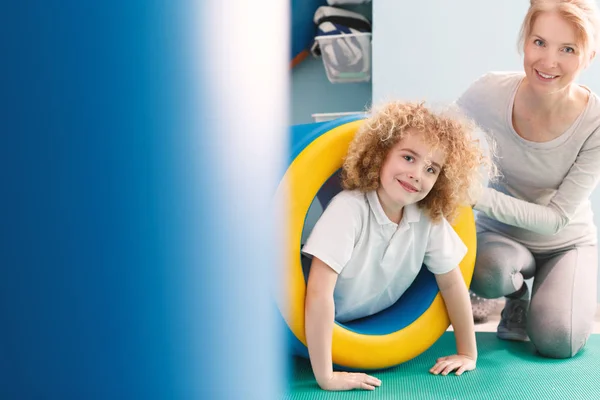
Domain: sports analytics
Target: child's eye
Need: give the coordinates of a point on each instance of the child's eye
(538, 42)
(569, 50)
(431, 170)
(409, 158)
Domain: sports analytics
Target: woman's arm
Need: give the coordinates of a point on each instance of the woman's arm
(545, 220)
(480, 102)
(549, 219)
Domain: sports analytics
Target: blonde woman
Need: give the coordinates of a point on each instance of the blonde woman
(536, 220)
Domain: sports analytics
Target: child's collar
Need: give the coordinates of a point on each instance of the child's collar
(412, 213)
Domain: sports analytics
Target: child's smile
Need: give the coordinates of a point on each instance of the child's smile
(408, 173)
(407, 186)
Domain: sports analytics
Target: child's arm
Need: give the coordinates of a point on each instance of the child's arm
(456, 296)
(319, 316)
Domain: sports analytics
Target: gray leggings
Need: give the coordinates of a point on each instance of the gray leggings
(563, 299)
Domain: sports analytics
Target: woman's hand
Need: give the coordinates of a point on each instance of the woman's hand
(445, 365)
(350, 380)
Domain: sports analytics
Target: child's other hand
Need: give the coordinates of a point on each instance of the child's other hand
(349, 380)
(445, 365)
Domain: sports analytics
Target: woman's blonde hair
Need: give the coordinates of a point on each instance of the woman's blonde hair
(583, 15)
(448, 132)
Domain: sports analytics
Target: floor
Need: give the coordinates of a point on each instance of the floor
(494, 318)
(505, 370)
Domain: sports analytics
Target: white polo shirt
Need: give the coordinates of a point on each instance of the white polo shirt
(377, 259)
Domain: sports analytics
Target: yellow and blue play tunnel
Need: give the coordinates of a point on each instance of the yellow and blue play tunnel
(391, 337)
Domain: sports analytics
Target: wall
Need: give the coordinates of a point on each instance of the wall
(312, 93)
(433, 49)
(302, 28)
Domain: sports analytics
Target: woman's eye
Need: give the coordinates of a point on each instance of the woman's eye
(408, 158)
(569, 50)
(538, 42)
(431, 170)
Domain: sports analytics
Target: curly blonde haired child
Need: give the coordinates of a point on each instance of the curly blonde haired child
(458, 181)
(407, 171)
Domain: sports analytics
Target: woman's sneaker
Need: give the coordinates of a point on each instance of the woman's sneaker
(513, 320)
(481, 307)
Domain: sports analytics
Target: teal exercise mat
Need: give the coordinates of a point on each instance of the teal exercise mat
(505, 371)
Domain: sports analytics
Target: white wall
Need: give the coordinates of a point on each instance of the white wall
(432, 49)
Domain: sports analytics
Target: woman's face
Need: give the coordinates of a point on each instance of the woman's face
(553, 58)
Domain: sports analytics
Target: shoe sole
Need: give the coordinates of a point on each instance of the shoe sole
(514, 336)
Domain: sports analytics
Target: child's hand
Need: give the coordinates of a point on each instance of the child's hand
(445, 365)
(349, 381)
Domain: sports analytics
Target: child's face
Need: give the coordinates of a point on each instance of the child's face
(410, 170)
